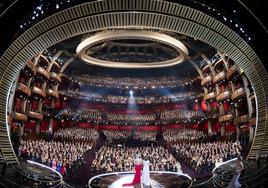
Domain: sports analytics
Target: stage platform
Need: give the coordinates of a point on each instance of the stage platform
(158, 180)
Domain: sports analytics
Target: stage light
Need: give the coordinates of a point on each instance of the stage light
(131, 92)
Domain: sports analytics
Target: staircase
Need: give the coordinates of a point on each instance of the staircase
(7, 153)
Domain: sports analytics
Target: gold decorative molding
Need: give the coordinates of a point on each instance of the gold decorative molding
(220, 76)
(209, 96)
(19, 116)
(225, 118)
(39, 91)
(55, 76)
(206, 80)
(224, 95)
(35, 115)
(238, 93)
(52, 93)
(231, 71)
(241, 119)
(43, 72)
(23, 88)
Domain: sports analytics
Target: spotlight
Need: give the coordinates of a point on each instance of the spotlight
(131, 92)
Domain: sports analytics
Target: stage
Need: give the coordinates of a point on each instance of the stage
(158, 180)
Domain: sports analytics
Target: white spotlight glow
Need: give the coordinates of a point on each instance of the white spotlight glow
(131, 92)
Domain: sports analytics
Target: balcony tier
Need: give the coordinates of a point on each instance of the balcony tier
(226, 118)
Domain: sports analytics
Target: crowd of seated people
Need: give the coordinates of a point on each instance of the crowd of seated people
(151, 117)
(118, 159)
(171, 135)
(123, 135)
(111, 135)
(127, 82)
(181, 114)
(203, 157)
(116, 99)
(131, 117)
(82, 114)
(63, 157)
(145, 135)
(76, 133)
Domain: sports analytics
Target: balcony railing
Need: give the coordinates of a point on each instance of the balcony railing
(31, 66)
(39, 91)
(224, 95)
(252, 121)
(43, 60)
(19, 116)
(52, 93)
(206, 68)
(220, 76)
(209, 96)
(56, 64)
(55, 76)
(43, 72)
(241, 119)
(206, 80)
(225, 118)
(238, 94)
(219, 62)
(35, 115)
(24, 89)
(231, 72)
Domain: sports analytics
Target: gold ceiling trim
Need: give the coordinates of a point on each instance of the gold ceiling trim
(161, 38)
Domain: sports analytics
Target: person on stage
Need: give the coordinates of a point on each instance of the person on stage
(145, 178)
(235, 180)
(137, 177)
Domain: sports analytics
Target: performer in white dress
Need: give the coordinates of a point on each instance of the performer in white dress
(235, 180)
(178, 167)
(145, 178)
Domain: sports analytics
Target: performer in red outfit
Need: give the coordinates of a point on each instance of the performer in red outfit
(137, 177)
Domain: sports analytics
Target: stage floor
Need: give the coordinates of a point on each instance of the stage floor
(158, 180)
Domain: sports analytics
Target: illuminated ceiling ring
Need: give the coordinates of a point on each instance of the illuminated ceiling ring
(161, 38)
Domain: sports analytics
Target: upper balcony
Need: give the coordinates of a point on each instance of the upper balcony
(210, 96)
(52, 93)
(252, 121)
(24, 89)
(226, 118)
(35, 115)
(43, 61)
(54, 78)
(19, 116)
(237, 94)
(207, 80)
(241, 119)
(223, 96)
(219, 77)
(43, 73)
(30, 69)
(219, 65)
(206, 69)
(56, 65)
(232, 72)
(39, 91)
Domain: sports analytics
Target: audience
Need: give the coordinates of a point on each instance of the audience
(203, 157)
(118, 159)
(75, 133)
(136, 83)
(61, 156)
(172, 135)
(117, 99)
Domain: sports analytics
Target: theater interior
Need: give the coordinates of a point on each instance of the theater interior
(86, 87)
